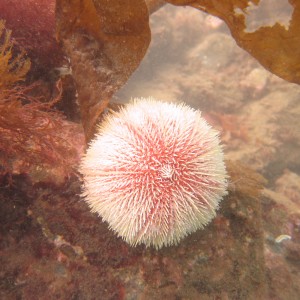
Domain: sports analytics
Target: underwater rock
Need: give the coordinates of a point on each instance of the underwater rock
(51, 244)
(214, 52)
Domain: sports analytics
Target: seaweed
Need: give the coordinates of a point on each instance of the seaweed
(12, 69)
(274, 46)
(30, 128)
(33, 25)
(106, 41)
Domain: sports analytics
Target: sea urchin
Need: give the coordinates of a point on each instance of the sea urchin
(154, 172)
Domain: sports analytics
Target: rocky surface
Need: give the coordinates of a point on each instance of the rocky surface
(52, 247)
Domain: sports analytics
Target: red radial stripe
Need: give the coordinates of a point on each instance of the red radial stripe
(155, 172)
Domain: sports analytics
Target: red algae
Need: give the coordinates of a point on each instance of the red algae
(33, 26)
(225, 260)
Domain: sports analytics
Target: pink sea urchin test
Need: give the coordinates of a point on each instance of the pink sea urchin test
(154, 172)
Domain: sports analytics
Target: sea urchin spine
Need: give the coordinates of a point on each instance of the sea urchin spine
(155, 172)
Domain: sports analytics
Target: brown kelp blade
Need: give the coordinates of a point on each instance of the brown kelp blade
(105, 41)
(275, 45)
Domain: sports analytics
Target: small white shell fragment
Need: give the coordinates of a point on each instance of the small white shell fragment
(282, 237)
